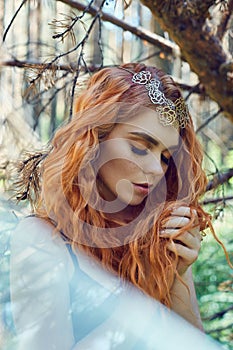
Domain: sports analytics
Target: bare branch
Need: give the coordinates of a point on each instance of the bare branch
(72, 67)
(219, 314)
(38, 65)
(219, 179)
(166, 45)
(52, 65)
(217, 200)
(57, 90)
(12, 20)
(220, 329)
(202, 126)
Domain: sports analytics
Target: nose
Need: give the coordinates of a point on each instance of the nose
(153, 165)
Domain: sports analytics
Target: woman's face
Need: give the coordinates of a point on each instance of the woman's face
(134, 157)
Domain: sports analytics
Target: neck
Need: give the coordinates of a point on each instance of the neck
(126, 215)
(115, 209)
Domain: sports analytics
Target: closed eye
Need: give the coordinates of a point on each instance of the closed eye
(138, 151)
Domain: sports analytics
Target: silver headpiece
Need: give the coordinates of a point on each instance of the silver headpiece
(170, 113)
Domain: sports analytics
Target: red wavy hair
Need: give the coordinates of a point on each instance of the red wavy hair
(145, 260)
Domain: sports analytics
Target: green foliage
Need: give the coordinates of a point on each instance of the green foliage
(212, 274)
(214, 282)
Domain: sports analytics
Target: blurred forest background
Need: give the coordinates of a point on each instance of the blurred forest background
(49, 48)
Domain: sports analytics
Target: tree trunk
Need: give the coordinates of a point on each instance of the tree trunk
(200, 47)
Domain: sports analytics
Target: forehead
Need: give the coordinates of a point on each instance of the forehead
(147, 121)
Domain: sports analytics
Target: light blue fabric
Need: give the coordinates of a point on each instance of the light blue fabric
(92, 302)
(60, 302)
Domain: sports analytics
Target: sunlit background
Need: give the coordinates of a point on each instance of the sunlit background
(39, 78)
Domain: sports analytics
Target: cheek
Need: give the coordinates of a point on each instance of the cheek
(116, 157)
(111, 151)
(118, 168)
(132, 167)
(125, 167)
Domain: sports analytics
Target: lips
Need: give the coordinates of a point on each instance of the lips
(144, 185)
(142, 188)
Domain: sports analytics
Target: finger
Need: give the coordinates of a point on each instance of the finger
(167, 233)
(187, 213)
(172, 233)
(184, 211)
(177, 222)
(195, 232)
(186, 254)
(187, 238)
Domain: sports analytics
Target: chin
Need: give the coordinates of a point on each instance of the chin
(133, 201)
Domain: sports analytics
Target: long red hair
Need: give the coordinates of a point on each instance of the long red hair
(144, 259)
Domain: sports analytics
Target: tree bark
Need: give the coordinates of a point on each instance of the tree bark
(200, 47)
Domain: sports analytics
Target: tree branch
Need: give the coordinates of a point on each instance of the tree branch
(216, 200)
(72, 67)
(37, 65)
(218, 314)
(225, 20)
(197, 44)
(201, 8)
(220, 329)
(202, 126)
(166, 45)
(12, 20)
(219, 179)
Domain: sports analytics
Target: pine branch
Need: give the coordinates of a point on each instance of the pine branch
(70, 27)
(28, 182)
(72, 67)
(38, 65)
(166, 45)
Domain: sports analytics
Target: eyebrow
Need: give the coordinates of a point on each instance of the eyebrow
(149, 139)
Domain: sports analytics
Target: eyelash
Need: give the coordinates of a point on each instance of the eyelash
(143, 152)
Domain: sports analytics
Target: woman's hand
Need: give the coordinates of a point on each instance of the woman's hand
(187, 244)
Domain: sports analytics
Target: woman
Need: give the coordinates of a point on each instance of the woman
(121, 185)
